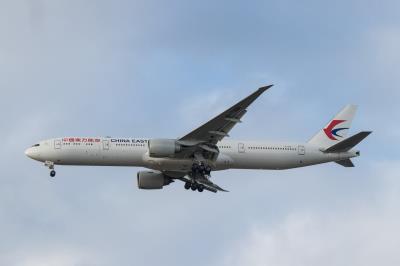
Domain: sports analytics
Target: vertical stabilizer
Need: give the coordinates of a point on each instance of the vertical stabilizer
(336, 130)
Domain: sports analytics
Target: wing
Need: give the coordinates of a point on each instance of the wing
(218, 127)
(201, 142)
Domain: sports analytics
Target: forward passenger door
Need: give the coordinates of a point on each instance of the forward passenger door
(106, 144)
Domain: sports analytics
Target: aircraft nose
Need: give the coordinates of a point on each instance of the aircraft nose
(29, 152)
(33, 153)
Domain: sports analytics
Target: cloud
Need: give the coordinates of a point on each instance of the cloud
(147, 68)
(53, 257)
(365, 233)
(199, 107)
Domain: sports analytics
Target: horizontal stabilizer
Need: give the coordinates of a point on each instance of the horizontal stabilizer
(345, 163)
(349, 143)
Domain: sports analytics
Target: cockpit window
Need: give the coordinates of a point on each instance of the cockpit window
(36, 145)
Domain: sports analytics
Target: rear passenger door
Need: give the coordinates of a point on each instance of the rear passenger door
(301, 150)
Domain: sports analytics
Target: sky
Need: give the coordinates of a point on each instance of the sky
(160, 69)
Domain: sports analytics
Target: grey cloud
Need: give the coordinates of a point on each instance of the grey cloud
(364, 233)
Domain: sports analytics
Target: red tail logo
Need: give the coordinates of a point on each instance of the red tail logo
(330, 130)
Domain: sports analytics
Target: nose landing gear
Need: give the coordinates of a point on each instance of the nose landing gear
(50, 165)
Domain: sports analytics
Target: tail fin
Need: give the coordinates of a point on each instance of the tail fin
(336, 130)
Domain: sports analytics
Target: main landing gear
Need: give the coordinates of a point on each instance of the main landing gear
(199, 171)
(194, 186)
(50, 165)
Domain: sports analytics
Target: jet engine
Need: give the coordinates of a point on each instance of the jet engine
(161, 148)
(152, 180)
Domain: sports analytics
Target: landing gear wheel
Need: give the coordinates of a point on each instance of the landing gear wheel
(200, 188)
(187, 185)
(52, 173)
(194, 186)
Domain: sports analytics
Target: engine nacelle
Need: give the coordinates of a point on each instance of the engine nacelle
(152, 180)
(161, 148)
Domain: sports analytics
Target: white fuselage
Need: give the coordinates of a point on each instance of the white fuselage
(134, 152)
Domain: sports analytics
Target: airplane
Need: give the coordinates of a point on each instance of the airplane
(194, 156)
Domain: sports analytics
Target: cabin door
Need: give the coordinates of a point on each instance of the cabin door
(57, 144)
(106, 144)
(241, 148)
(302, 150)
